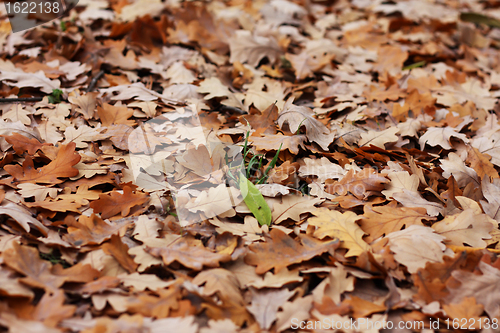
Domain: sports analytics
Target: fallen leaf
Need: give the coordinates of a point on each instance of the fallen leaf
(285, 251)
(189, 252)
(297, 116)
(467, 227)
(334, 224)
(61, 167)
(265, 305)
(248, 48)
(416, 246)
(483, 288)
(111, 204)
(380, 221)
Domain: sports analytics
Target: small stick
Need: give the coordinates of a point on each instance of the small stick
(94, 80)
(20, 100)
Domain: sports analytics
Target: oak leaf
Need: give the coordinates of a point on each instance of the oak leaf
(467, 227)
(85, 104)
(250, 230)
(22, 80)
(316, 55)
(285, 251)
(481, 164)
(292, 207)
(80, 135)
(382, 220)
(26, 260)
(246, 48)
(10, 285)
(116, 248)
(61, 167)
(297, 309)
(321, 168)
(113, 114)
(298, 116)
(18, 325)
(141, 282)
(401, 180)
(277, 280)
(146, 228)
(455, 166)
(155, 306)
(467, 309)
(334, 224)
(379, 138)
(111, 204)
(51, 309)
(361, 184)
(414, 199)
(22, 216)
(22, 144)
(437, 136)
(485, 288)
(90, 230)
(273, 142)
(221, 282)
(190, 252)
(417, 245)
(491, 192)
(265, 305)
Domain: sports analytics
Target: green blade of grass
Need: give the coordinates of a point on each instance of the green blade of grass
(415, 65)
(480, 19)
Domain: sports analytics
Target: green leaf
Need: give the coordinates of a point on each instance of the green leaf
(55, 97)
(255, 201)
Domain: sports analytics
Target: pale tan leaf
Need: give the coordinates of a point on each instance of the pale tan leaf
(417, 245)
(247, 48)
(265, 305)
(466, 228)
(437, 136)
(379, 138)
(292, 207)
(141, 282)
(455, 166)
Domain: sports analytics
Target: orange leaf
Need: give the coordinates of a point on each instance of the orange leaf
(190, 252)
(26, 260)
(362, 184)
(280, 251)
(20, 143)
(111, 204)
(90, 230)
(61, 167)
(110, 114)
(382, 220)
(119, 251)
(481, 163)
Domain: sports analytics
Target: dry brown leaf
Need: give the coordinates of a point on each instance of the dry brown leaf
(190, 252)
(285, 251)
(382, 220)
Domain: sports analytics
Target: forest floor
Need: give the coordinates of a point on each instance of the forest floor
(249, 166)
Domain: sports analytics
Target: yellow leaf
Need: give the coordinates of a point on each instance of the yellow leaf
(342, 226)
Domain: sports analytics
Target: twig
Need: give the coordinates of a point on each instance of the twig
(20, 100)
(94, 81)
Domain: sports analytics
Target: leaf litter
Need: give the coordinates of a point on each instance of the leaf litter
(370, 132)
